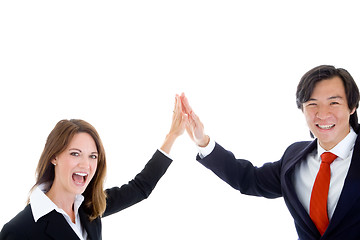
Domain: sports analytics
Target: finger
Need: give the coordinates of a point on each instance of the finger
(191, 119)
(195, 118)
(190, 131)
(185, 120)
(185, 103)
(177, 105)
(178, 111)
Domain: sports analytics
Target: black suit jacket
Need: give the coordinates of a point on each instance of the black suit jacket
(274, 180)
(54, 226)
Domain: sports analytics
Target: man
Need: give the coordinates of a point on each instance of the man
(328, 97)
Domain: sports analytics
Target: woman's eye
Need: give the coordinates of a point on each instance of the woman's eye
(75, 154)
(93, 156)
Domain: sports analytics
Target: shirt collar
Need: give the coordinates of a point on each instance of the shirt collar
(42, 205)
(343, 148)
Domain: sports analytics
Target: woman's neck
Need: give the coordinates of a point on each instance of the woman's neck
(62, 200)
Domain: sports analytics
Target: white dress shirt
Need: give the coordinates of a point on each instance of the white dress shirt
(168, 155)
(306, 171)
(42, 205)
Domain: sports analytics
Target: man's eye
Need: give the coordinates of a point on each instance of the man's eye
(75, 154)
(334, 103)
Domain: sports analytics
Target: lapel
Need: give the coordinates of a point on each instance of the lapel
(57, 227)
(350, 192)
(93, 228)
(349, 195)
(297, 210)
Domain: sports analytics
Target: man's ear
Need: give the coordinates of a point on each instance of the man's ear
(352, 112)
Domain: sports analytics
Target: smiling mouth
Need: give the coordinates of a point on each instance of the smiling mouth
(325, 127)
(79, 178)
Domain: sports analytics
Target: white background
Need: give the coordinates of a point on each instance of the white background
(119, 64)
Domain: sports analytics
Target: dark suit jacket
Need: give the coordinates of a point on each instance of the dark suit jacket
(54, 226)
(274, 180)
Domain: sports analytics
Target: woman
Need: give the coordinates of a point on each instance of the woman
(68, 200)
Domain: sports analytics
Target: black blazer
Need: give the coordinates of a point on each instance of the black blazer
(274, 180)
(54, 226)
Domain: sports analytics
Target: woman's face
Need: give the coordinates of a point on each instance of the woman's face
(76, 165)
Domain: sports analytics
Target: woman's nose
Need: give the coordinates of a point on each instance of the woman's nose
(84, 163)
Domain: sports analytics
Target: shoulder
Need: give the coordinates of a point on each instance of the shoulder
(299, 149)
(299, 145)
(17, 227)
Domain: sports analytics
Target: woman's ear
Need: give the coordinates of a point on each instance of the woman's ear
(54, 161)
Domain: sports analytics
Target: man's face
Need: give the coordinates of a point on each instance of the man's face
(327, 112)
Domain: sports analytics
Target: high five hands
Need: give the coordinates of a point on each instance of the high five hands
(184, 118)
(194, 126)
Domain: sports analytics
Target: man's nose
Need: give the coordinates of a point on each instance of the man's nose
(323, 112)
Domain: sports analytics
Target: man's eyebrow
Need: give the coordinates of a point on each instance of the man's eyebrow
(330, 98)
(335, 97)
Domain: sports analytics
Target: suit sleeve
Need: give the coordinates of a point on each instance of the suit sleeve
(138, 189)
(242, 175)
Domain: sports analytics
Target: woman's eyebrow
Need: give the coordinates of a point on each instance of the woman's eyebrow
(76, 149)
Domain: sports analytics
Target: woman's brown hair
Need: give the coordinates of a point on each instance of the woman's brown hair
(57, 141)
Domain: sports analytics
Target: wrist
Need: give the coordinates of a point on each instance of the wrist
(204, 142)
(168, 142)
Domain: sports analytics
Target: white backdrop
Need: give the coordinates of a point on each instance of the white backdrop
(119, 64)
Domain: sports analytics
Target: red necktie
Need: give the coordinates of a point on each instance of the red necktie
(320, 191)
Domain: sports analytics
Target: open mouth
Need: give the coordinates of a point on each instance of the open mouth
(79, 177)
(325, 127)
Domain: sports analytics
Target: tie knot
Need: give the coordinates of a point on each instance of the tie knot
(328, 157)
